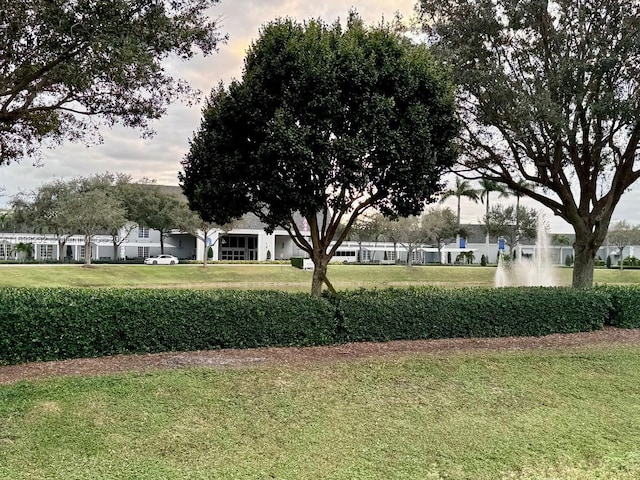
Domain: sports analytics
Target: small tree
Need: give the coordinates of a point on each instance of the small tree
(502, 222)
(203, 231)
(366, 228)
(327, 122)
(23, 251)
(622, 234)
(410, 233)
(441, 227)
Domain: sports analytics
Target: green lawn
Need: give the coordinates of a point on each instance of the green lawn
(512, 415)
(281, 277)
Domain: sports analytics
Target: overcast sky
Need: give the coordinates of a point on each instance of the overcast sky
(159, 157)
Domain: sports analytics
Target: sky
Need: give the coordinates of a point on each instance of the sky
(123, 151)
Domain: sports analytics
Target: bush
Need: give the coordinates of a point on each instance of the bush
(416, 313)
(608, 261)
(297, 262)
(53, 324)
(483, 260)
(625, 308)
(568, 261)
(59, 323)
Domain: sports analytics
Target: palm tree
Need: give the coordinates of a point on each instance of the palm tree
(23, 251)
(462, 189)
(486, 187)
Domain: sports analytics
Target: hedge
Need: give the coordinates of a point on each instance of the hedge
(428, 312)
(625, 305)
(59, 323)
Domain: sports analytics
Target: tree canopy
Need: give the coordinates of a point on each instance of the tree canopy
(66, 67)
(328, 122)
(622, 234)
(513, 223)
(548, 94)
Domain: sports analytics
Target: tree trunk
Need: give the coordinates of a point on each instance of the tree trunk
(583, 266)
(622, 258)
(162, 242)
(319, 275)
(61, 246)
(87, 251)
(205, 256)
(115, 251)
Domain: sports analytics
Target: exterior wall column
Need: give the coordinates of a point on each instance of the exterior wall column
(200, 245)
(266, 243)
(215, 244)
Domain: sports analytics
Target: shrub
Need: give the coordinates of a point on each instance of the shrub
(625, 308)
(59, 323)
(483, 260)
(52, 324)
(428, 312)
(608, 261)
(297, 262)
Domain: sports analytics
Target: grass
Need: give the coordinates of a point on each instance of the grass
(536, 415)
(281, 277)
(533, 415)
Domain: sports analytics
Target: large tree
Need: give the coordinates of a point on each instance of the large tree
(328, 122)
(47, 210)
(548, 93)
(67, 66)
(93, 210)
(156, 207)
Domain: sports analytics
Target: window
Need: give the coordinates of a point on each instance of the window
(233, 242)
(232, 254)
(83, 251)
(346, 253)
(143, 252)
(4, 251)
(143, 232)
(46, 252)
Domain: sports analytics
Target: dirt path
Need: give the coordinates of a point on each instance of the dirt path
(301, 356)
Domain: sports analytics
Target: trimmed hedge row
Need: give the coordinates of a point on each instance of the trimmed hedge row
(59, 323)
(625, 305)
(416, 313)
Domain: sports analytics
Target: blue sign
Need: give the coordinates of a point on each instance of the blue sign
(209, 242)
(463, 242)
(501, 244)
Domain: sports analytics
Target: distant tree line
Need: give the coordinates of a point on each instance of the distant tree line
(102, 204)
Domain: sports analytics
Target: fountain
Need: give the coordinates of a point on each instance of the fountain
(537, 270)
